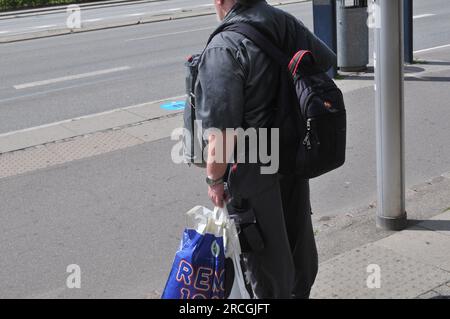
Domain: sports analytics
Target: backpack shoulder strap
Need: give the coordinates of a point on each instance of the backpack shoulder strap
(298, 59)
(260, 40)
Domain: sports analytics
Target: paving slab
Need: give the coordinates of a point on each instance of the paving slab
(27, 138)
(92, 145)
(421, 244)
(346, 276)
(20, 162)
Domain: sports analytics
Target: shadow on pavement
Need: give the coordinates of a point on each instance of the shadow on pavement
(408, 79)
(441, 297)
(409, 70)
(431, 225)
(433, 62)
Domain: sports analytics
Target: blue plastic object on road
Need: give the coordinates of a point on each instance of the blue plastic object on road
(174, 106)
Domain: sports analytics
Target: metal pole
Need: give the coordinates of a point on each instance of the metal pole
(324, 16)
(389, 88)
(409, 35)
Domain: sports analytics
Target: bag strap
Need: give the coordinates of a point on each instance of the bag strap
(192, 105)
(298, 59)
(261, 41)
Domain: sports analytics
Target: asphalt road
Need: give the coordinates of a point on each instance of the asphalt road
(52, 19)
(145, 61)
(119, 215)
(130, 65)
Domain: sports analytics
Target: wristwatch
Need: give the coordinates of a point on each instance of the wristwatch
(214, 182)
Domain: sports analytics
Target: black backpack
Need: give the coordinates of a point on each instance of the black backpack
(309, 110)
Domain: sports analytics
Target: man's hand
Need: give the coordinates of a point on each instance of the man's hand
(219, 154)
(217, 194)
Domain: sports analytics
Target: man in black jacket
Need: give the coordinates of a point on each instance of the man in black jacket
(235, 89)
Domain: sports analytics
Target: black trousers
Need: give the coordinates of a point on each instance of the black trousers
(286, 266)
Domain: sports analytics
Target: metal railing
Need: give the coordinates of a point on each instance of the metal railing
(8, 5)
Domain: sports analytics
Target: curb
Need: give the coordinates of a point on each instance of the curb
(150, 18)
(111, 120)
(352, 227)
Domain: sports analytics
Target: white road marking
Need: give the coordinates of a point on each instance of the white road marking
(92, 115)
(77, 85)
(172, 33)
(426, 15)
(139, 14)
(162, 11)
(134, 14)
(44, 26)
(93, 20)
(434, 48)
(70, 77)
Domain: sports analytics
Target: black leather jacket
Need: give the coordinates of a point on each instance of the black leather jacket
(236, 80)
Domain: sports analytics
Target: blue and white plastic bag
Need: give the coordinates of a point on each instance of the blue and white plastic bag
(198, 271)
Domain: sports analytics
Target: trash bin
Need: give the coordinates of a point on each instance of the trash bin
(352, 35)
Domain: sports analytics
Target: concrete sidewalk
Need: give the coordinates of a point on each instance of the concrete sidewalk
(414, 263)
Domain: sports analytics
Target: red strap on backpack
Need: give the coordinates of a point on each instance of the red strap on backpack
(297, 59)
